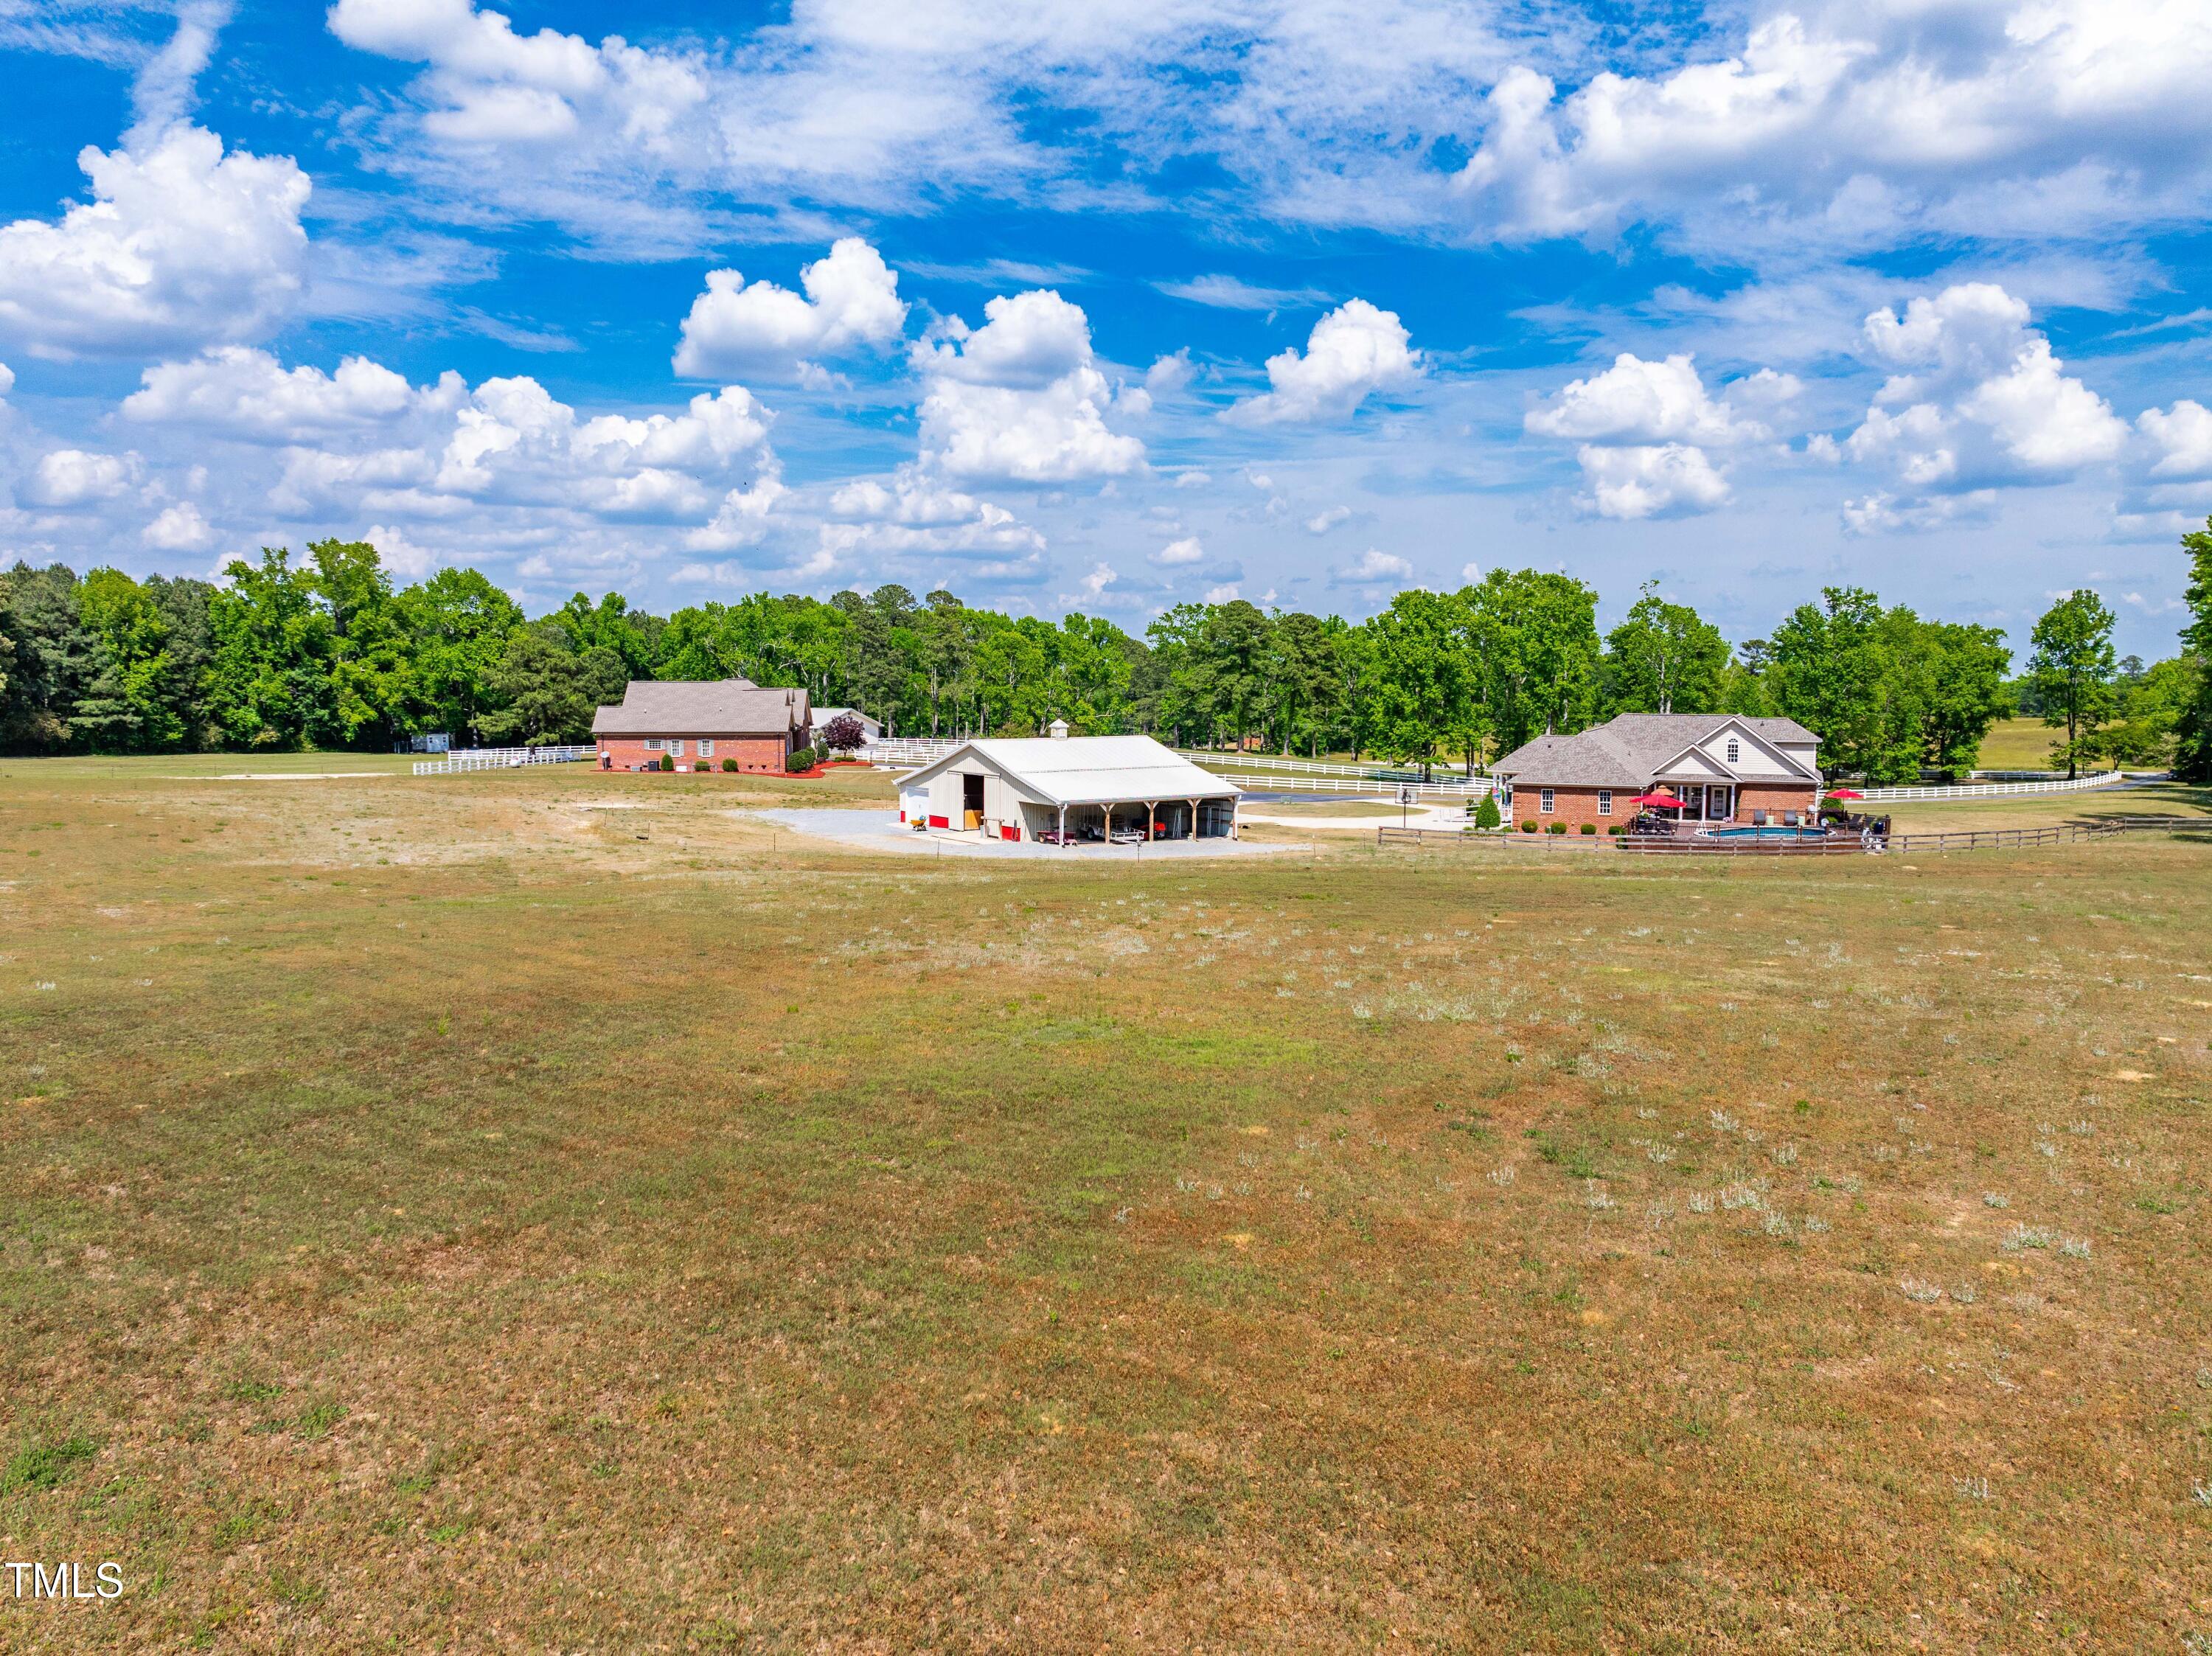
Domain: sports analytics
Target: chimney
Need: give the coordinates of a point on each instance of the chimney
(1059, 728)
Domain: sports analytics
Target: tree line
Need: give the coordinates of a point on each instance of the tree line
(327, 652)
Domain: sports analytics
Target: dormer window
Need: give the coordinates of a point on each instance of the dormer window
(1735, 751)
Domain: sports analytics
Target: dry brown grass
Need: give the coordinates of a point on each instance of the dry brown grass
(447, 1219)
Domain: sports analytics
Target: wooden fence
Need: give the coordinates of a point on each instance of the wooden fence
(2058, 834)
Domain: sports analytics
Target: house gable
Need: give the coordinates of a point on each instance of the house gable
(1760, 758)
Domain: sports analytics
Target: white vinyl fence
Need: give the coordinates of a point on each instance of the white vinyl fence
(1212, 759)
(500, 759)
(1995, 789)
(908, 752)
(1457, 788)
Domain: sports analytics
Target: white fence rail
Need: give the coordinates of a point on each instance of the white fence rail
(1456, 789)
(1996, 790)
(500, 759)
(1214, 758)
(894, 752)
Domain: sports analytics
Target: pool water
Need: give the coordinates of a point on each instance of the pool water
(1767, 833)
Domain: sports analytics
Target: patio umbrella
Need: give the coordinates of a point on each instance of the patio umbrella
(1660, 800)
(1844, 793)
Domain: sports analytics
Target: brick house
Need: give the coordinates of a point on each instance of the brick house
(698, 725)
(1724, 768)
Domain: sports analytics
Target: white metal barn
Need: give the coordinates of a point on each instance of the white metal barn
(1065, 789)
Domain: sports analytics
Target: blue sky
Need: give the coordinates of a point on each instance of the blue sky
(1111, 308)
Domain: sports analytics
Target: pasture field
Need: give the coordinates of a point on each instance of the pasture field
(2018, 744)
(549, 1211)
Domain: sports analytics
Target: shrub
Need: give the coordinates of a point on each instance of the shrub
(1486, 813)
(667, 764)
(729, 764)
(802, 758)
(1589, 828)
(1616, 829)
(1528, 828)
(1558, 828)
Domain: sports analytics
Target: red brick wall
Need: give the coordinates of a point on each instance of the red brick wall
(1575, 806)
(1772, 798)
(752, 753)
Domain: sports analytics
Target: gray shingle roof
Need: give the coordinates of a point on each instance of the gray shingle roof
(1627, 751)
(728, 706)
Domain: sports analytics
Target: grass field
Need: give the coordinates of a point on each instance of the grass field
(550, 1211)
(2018, 744)
(1344, 807)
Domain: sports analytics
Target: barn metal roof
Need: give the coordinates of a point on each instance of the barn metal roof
(1089, 770)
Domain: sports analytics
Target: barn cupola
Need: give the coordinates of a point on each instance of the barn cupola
(1059, 728)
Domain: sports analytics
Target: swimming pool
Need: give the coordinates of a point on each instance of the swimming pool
(1766, 833)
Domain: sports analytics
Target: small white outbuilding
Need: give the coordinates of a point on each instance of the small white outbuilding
(1064, 790)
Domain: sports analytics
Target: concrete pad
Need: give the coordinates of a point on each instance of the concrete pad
(880, 831)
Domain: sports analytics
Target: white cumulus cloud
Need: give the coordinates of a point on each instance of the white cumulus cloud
(1636, 401)
(487, 84)
(180, 528)
(1978, 400)
(1646, 430)
(1021, 399)
(67, 478)
(1176, 554)
(1650, 480)
(239, 390)
(2179, 438)
(1839, 126)
(1375, 565)
(851, 298)
(1353, 352)
(181, 245)
(910, 514)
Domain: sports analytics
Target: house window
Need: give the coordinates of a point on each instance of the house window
(676, 745)
(653, 744)
(1735, 751)
(1605, 801)
(1544, 800)
(706, 747)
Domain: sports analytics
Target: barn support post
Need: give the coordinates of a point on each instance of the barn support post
(1063, 827)
(1193, 803)
(1151, 810)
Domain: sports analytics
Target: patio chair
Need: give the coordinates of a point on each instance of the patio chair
(1758, 819)
(1789, 819)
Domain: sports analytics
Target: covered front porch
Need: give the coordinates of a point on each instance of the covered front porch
(1702, 801)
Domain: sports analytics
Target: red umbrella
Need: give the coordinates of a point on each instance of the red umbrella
(1660, 800)
(1844, 793)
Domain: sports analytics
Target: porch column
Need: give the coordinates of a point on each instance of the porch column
(1152, 809)
(1193, 803)
(1063, 827)
(1234, 801)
